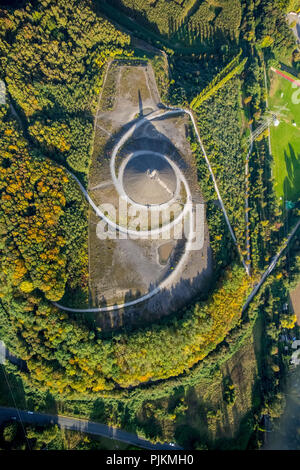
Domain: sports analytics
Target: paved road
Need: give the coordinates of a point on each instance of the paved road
(82, 425)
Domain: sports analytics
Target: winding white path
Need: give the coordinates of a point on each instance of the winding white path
(188, 208)
(158, 288)
(187, 212)
(187, 111)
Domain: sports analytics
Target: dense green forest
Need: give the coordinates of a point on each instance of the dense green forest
(58, 349)
(185, 21)
(53, 56)
(40, 223)
(222, 112)
(42, 243)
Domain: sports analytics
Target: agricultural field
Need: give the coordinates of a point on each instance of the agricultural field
(212, 18)
(285, 138)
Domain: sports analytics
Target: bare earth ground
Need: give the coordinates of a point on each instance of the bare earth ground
(122, 270)
(295, 300)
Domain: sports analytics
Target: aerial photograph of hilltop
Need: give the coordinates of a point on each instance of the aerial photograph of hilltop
(149, 228)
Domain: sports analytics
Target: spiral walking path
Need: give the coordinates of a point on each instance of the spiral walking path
(168, 280)
(188, 208)
(117, 181)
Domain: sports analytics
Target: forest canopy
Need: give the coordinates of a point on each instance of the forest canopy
(52, 57)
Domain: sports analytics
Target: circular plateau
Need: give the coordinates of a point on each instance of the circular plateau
(149, 179)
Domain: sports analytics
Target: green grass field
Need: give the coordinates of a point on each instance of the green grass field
(285, 139)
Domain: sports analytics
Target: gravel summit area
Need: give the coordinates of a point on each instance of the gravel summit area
(149, 179)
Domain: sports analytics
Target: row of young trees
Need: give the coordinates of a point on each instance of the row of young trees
(223, 15)
(160, 15)
(170, 18)
(232, 69)
(271, 17)
(220, 127)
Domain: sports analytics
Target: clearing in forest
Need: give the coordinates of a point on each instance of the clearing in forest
(142, 156)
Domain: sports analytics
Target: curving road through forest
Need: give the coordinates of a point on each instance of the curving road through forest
(81, 425)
